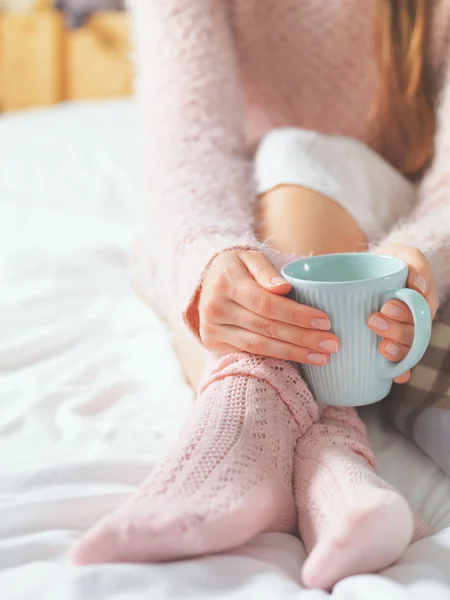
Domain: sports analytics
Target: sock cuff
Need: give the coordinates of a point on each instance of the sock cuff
(282, 376)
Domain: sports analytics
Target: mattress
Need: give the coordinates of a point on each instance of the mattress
(92, 396)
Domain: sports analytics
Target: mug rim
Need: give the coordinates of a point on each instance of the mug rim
(402, 266)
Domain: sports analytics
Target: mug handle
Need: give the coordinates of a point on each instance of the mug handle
(422, 331)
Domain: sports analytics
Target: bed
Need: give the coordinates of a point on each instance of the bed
(92, 395)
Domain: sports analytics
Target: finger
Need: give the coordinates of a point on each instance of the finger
(403, 378)
(321, 341)
(393, 351)
(261, 345)
(432, 299)
(392, 330)
(251, 296)
(222, 348)
(264, 273)
(397, 311)
(419, 274)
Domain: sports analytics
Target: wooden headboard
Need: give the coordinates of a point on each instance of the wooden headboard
(42, 62)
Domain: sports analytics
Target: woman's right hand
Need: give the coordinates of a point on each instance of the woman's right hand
(242, 307)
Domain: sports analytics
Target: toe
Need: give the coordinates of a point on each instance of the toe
(373, 535)
(92, 548)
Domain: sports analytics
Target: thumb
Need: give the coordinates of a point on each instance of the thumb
(264, 273)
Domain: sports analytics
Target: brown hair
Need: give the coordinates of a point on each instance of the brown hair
(404, 97)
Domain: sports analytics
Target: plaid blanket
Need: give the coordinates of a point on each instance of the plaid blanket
(421, 408)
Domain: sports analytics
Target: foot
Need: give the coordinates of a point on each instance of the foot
(350, 520)
(366, 536)
(229, 478)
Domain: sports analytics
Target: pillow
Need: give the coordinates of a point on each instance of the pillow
(421, 408)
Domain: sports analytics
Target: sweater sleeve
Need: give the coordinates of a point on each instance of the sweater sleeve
(429, 226)
(198, 181)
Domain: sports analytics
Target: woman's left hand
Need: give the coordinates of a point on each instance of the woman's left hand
(394, 323)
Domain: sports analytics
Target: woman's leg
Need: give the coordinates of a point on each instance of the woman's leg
(298, 220)
(228, 477)
(206, 496)
(351, 521)
(193, 357)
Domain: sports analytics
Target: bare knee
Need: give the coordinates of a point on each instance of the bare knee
(299, 220)
(292, 215)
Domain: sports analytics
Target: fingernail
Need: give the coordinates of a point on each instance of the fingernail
(318, 359)
(378, 323)
(420, 283)
(277, 281)
(323, 324)
(329, 345)
(391, 310)
(392, 349)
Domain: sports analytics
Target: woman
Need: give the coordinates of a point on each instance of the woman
(258, 453)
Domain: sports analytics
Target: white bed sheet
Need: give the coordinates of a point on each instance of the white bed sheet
(91, 393)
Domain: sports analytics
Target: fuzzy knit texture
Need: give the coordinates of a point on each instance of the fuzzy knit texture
(213, 76)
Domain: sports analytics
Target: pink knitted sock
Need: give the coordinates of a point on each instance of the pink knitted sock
(229, 476)
(350, 520)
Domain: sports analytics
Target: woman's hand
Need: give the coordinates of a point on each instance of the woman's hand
(394, 322)
(242, 307)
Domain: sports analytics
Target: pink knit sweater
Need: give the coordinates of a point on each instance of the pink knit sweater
(215, 75)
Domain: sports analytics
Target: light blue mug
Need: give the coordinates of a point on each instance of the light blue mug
(349, 288)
